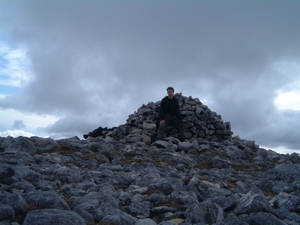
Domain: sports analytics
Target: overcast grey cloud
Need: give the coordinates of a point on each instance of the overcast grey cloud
(18, 124)
(92, 63)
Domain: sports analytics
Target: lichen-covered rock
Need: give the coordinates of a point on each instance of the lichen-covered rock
(16, 201)
(46, 200)
(253, 201)
(205, 212)
(7, 213)
(53, 216)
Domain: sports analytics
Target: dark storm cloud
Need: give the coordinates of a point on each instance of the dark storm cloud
(100, 60)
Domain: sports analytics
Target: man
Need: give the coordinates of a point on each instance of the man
(169, 114)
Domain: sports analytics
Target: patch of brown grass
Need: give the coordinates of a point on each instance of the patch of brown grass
(177, 220)
(269, 193)
(172, 204)
(231, 184)
(163, 164)
(30, 207)
(205, 165)
(154, 191)
(90, 156)
(62, 149)
(127, 160)
(105, 223)
(20, 217)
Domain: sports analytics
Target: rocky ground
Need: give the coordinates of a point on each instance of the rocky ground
(125, 178)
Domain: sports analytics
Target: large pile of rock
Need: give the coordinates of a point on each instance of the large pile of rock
(121, 178)
(201, 122)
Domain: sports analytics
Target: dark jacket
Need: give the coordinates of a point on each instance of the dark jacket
(169, 107)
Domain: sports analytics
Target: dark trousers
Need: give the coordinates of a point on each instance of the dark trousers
(170, 120)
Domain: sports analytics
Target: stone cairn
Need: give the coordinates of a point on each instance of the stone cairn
(200, 122)
(124, 178)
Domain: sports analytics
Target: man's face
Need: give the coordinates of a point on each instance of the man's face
(170, 93)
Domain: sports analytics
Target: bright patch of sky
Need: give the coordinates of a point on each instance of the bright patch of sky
(16, 133)
(288, 100)
(8, 90)
(31, 123)
(289, 97)
(14, 69)
(282, 150)
(15, 73)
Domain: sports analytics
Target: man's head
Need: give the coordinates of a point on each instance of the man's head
(170, 91)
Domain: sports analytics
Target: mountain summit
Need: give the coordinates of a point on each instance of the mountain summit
(123, 177)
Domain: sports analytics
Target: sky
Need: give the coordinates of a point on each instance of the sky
(68, 67)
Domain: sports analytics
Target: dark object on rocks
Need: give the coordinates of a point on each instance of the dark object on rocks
(98, 132)
(6, 172)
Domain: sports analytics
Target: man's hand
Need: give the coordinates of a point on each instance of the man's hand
(162, 122)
